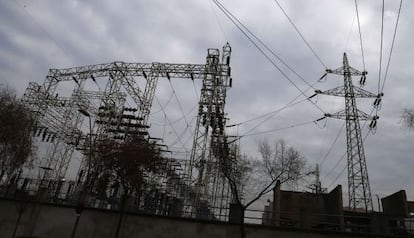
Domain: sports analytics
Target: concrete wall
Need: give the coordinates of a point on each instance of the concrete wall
(395, 204)
(51, 221)
(410, 206)
(306, 210)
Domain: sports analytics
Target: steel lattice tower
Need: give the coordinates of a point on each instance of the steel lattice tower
(209, 133)
(358, 182)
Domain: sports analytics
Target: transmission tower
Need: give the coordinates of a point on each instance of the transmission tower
(358, 182)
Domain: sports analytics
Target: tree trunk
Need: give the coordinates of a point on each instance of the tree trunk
(241, 224)
(121, 215)
(20, 212)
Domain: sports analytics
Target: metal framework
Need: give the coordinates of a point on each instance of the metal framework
(358, 182)
(209, 132)
(60, 119)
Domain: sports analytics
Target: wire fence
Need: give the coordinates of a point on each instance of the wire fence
(150, 202)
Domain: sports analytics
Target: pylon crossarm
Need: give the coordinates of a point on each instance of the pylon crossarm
(340, 92)
(342, 116)
(342, 70)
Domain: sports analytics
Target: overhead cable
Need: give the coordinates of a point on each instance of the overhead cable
(234, 20)
(360, 34)
(333, 143)
(171, 125)
(300, 34)
(382, 39)
(273, 113)
(279, 129)
(392, 46)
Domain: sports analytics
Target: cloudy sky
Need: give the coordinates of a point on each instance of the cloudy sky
(38, 35)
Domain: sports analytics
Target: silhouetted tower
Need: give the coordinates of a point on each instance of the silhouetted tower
(358, 182)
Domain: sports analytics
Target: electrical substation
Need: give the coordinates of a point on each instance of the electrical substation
(122, 108)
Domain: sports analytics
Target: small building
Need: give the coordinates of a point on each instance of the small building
(305, 209)
(325, 211)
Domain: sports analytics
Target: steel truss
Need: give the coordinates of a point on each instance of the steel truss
(358, 183)
(60, 120)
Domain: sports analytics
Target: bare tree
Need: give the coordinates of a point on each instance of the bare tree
(408, 118)
(125, 163)
(250, 178)
(16, 145)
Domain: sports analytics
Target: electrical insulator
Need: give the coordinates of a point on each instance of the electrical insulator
(317, 91)
(377, 102)
(44, 136)
(373, 123)
(323, 76)
(362, 80)
(76, 81)
(320, 119)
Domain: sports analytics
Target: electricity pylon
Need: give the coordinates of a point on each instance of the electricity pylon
(358, 183)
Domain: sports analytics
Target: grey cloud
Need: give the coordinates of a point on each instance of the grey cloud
(177, 31)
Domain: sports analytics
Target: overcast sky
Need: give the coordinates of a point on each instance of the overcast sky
(38, 35)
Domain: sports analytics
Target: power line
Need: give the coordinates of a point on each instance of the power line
(392, 46)
(333, 143)
(337, 177)
(43, 29)
(233, 19)
(391, 50)
(273, 113)
(217, 20)
(279, 129)
(382, 38)
(360, 34)
(300, 34)
(349, 33)
(179, 104)
(178, 119)
(165, 105)
(195, 91)
(336, 165)
(169, 122)
(183, 133)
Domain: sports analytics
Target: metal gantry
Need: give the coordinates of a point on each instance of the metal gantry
(60, 121)
(358, 182)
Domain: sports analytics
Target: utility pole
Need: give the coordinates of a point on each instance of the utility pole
(358, 183)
